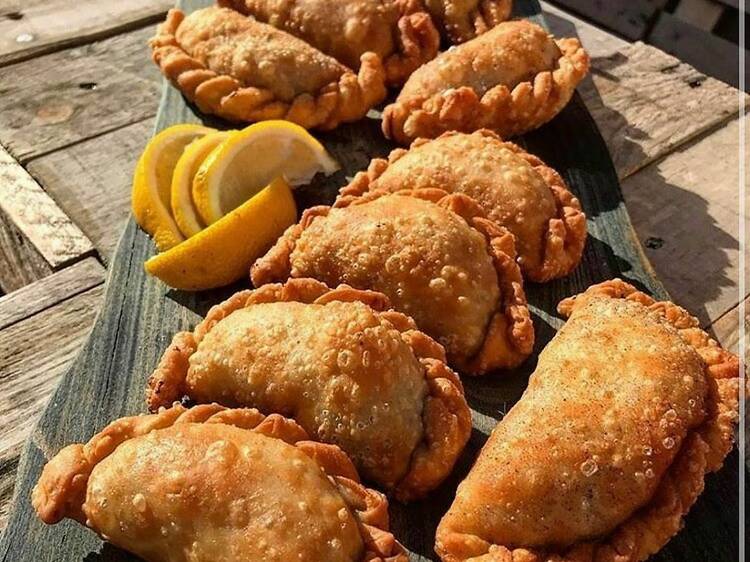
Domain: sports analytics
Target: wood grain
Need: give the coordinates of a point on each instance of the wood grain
(36, 297)
(700, 48)
(688, 220)
(91, 181)
(34, 353)
(20, 262)
(646, 103)
(69, 96)
(726, 329)
(29, 29)
(38, 217)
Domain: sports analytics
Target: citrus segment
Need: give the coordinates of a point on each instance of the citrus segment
(195, 153)
(223, 252)
(247, 161)
(152, 182)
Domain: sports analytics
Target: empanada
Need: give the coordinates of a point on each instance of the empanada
(514, 188)
(244, 70)
(345, 367)
(215, 485)
(630, 405)
(399, 32)
(461, 20)
(436, 258)
(512, 79)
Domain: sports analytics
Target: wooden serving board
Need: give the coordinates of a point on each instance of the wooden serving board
(140, 315)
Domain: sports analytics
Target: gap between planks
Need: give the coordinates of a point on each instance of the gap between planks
(50, 291)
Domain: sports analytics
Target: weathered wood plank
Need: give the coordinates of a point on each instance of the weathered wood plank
(52, 290)
(33, 355)
(685, 209)
(647, 103)
(726, 329)
(91, 181)
(20, 262)
(69, 96)
(38, 217)
(629, 18)
(29, 29)
(705, 51)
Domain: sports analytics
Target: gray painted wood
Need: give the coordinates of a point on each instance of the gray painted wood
(140, 315)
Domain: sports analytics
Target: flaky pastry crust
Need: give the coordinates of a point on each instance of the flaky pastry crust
(64, 488)
(514, 188)
(694, 399)
(512, 79)
(399, 32)
(420, 386)
(245, 70)
(461, 20)
(504, 341)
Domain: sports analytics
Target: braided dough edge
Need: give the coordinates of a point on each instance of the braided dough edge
(460, 25)
(61, 490)
(566, 233)
(347, 100)
(509, 112)
(702, 452)
(446, 417)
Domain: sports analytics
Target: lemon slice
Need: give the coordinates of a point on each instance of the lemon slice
(183, 210)
(224, 251)
(152, 182)
(248, 160)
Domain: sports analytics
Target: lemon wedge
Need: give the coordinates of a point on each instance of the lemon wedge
(152, 182)
(251, 158)
(183, 210)
(223, 252)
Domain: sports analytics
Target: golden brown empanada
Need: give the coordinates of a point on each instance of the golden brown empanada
(244, 70)
(399, 32)
(215, 485)
(345, 367)
(630, 405)
(514, 188)
(512, 79)
(461, 20)
(436, 258)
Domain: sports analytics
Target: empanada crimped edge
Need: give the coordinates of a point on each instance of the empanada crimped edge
(446, 417)
(509, 338)
(349, 99)
(414, 35)
(566, 233)
(510, 111)
(61, 489)
(462, 20)
(703, 451)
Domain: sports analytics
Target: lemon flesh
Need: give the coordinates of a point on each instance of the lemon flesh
(248, 160)
(223, 252)
(183, 209)
(152, 183)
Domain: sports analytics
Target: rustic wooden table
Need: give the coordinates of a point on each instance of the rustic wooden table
(79, 96)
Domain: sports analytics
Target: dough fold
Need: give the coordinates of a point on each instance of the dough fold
(637, 405)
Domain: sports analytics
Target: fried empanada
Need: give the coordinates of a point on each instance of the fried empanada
(244, 70)
(630, 405)
(345, 367)
(399, 32)
(436, 258)
(514, 188)
(215, 485)
(461, 20)
(512, 79)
